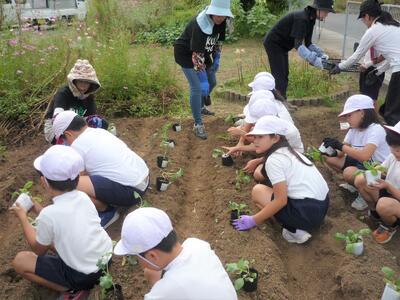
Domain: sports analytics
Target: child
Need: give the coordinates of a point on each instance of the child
(70, 225)
(114, 172)
(77, 96)
(364, 141)
(189, 271)
(383, 197)
(298, 198)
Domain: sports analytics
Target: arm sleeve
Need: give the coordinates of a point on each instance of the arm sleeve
(221, 37)
(60, 101)
(44, 230)
(90, 106)
(275, 167)
(348, 137)
(367, 41)
(316, 49)
(198, 40)
(298, 31)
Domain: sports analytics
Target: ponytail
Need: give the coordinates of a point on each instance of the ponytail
(386, 18)
(283, 142)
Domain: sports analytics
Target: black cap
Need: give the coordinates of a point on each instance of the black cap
(323, 5)
(368, 7)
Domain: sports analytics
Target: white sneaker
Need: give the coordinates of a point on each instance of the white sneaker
(299, 237)
(359, 203)
(348, 187)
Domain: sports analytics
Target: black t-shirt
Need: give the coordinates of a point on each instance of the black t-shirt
(194, 40)
(66, 100)
(297, 25)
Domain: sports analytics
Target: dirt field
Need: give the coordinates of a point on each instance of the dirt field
(197, 204)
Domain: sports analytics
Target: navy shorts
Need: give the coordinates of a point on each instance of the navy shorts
(385, 193)
(114, 193)
(351, 162)
(305, 214)
(53, 269)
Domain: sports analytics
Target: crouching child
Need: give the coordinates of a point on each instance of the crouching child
(70, 226)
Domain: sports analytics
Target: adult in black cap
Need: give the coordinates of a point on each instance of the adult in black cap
(383, 35)
(295, 31)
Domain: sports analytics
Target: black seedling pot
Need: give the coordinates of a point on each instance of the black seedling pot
(251, 286)
(162, 161)
(235, 215)
(171, 143)
(177, 127)
(162, 184)
(115, 293)
(227, 160)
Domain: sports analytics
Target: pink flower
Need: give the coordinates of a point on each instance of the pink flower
(19, 72)
(13, 42)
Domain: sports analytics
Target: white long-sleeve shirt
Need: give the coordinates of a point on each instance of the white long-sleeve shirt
(386, 40)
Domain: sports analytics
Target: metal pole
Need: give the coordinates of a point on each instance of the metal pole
(345, 30)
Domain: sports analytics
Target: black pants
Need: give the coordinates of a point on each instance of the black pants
(391, 111)
(279, 63)
(370, 90)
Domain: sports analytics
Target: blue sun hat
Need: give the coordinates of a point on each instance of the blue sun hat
(220, 8)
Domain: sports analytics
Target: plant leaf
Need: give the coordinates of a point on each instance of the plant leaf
(28, 185)
(239, 283)
(340, 236)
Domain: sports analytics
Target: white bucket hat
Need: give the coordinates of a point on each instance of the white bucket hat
(395, 128)
(62, 121)
(263, 82)
(220, 8)
(261, 95)
(143, 229)
(60, 163)
(259, 109)
(357, 102)
(270, 125)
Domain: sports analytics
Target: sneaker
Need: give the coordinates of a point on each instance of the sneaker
(109, 216)
(74, 295)
(200, 131)
(359, 203)
(299, 237)
(384, 234)
(206, 112)
(348, 187)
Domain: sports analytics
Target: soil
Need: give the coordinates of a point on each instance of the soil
(198, 205)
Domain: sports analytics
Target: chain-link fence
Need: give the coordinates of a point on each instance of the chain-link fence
(352, 11)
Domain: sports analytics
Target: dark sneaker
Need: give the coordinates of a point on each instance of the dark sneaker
(206, 112)
(200, 131)
(74, 295)
(109, 216)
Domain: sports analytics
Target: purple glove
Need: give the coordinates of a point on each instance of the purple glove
(244, 223)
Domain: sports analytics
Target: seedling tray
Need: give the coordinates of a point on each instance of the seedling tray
(331, 62)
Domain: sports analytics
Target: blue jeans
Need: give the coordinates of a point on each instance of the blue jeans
(196, 101)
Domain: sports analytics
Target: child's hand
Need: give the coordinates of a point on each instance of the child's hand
(244, 223)
(18, 210)
(236, 131)
(381, 184)
(251, 166)
(234, 151)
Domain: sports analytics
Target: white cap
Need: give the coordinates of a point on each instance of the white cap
(260, 108)
(62, 121)
(395, 128)
(270, 125)
(263, 82)
(357, 102)
(60, 163)
(261, 95)
(246, 110)
(143, 229)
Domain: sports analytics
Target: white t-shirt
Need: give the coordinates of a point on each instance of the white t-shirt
(393, 170)
(302, 181)
(283, 113)
(294, 138)
(195, 274)
(72, 224)
(374, 134)
(107, 156)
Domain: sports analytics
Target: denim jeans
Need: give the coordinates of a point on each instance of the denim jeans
(196, 101)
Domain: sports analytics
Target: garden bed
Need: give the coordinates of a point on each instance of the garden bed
(198, 205)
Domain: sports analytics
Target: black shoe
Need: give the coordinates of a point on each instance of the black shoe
(206, 112)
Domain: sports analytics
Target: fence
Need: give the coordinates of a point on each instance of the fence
(353, 8)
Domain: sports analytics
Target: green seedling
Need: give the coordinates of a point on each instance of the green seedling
(230, 119)
(241, 179)
(26, 190)
(391, 278)
(106, 281)
(143, 202)
(130, 259)
(224, 137)
(172, 176)
(314, 154)
(351, 237)
(239, 207)
(217, 153)
(373, 167)
(241, 269)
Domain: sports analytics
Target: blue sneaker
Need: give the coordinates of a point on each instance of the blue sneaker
(109, 216)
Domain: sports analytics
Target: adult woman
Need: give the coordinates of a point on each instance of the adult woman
(295, 31)
(383, 35)
(198, 51)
